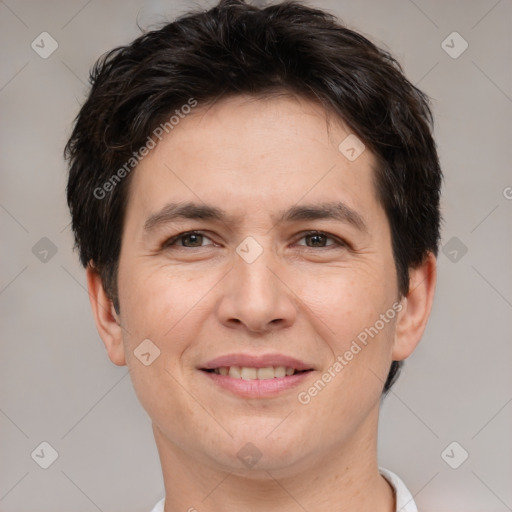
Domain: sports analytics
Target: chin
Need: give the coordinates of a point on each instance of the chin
(254, 451)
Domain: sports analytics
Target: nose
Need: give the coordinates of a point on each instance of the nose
(258, 296)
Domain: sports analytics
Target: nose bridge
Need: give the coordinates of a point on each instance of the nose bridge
(257, 297)
(254, 279)
(253, 266)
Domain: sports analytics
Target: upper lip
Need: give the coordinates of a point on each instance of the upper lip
(256, 361)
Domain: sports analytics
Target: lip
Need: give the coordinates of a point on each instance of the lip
(257, 388)
(257, 361)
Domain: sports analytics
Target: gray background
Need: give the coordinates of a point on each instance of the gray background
(56, 382)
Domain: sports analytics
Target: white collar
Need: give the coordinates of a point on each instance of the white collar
(404, 499)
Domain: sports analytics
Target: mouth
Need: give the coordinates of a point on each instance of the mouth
(256, 376)
(253, 373)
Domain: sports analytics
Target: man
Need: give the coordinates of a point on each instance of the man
(255, 197)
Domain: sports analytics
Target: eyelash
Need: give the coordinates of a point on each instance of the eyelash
(337, 242)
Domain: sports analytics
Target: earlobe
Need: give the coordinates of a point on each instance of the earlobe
(106, 318)
(413, 318)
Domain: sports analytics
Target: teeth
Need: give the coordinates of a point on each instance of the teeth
(234, 372)
(249, 373)
(265, 373)
(246, 373)
(280, 371)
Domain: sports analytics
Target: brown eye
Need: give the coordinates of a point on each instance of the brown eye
(319, 238)
(189, 239)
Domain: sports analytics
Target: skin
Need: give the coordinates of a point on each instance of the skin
(303, 296)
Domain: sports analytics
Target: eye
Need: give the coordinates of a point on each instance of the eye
(318, 239)
(189, 239)
(194, 239)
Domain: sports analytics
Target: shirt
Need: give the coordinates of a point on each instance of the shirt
(404, 499)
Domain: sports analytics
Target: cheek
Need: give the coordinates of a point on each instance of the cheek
(168, 308)
(357, 323)
(153, 300)
(158, 307)
(347, 300)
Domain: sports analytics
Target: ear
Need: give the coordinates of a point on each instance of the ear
(413, 318)
(106, 318)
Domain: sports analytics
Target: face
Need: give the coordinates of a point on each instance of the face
(270, 278)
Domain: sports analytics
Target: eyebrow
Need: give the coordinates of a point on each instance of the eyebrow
(338, 211)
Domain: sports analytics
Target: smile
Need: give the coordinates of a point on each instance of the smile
(249, 373)
(256, 375)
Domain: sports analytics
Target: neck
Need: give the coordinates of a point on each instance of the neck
(341, 478)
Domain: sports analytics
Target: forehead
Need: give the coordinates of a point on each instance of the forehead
(246, 154)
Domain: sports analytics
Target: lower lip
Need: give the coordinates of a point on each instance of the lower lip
(258, 388)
